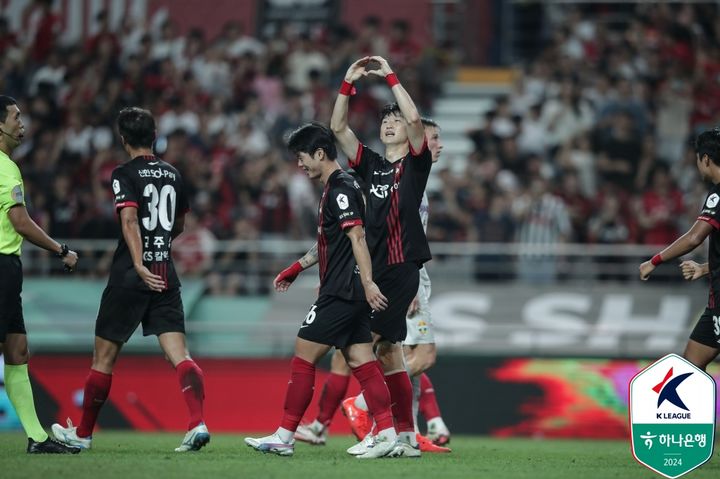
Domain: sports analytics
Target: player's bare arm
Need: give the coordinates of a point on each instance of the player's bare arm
(28, 229)
(310, 258)
(131, 233)
(282, 281)
(692, 270)
(681, 246)
(374, 297)
(415, 128)
(344, 136)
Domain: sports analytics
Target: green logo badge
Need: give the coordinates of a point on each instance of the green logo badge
(672, 416)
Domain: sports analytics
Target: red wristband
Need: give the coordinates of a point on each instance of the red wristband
(656, 260)
(347, 88)
(296, 268)
(392, 79)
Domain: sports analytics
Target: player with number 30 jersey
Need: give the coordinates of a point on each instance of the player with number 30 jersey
(143, 287)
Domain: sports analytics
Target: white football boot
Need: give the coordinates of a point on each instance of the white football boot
(195, 439)
(68, 435)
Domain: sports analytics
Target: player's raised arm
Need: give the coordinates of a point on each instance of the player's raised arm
(683, 245)
(131, 233)
(374, 297)
(415, 129)
(283, 280)
(339, 121)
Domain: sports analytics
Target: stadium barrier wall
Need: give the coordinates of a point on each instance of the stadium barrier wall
(495, 396)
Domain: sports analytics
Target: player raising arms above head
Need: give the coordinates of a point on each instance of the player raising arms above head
(341, 315)
(143, 286)
(394, 185)
(704, 342)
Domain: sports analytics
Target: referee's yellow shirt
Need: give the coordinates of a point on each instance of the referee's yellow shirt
(12, 193)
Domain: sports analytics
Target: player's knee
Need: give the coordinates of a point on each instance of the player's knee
(18, 357)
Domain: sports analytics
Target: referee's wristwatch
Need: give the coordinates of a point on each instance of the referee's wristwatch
(64, 250)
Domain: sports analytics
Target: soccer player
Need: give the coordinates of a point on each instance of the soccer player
(419, 352)
(702, 347)
(16, 225)
(394, 186)
(143, 286)
(341, 315)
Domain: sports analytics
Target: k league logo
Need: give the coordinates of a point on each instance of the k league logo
(667, 390)
(672, 416)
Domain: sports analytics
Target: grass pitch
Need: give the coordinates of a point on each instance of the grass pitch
(138, 455)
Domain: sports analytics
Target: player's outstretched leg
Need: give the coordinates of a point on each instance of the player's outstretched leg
(438, 432)
(95, 393)
(377, 397)
(192, 386)
(297, 398)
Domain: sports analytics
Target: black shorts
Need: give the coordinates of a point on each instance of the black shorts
(707, 329)
(11, 278)
(123, 309)
(399, 283)
(337, 322)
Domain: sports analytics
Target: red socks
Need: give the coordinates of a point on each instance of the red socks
(401, 394)
(299, 392)
(428, 402)
(376, 394)
(97, 389)
(332, 394)
(193, 389)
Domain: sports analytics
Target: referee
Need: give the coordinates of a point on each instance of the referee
(16, 224)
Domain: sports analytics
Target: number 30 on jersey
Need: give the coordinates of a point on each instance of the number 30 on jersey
(162, 207)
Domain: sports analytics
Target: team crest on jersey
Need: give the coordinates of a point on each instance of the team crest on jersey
(422, 327)
(116, 186)
(712, 200)
(17, 194)
(342, 201)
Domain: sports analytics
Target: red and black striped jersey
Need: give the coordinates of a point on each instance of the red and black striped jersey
(156, 189)
(393, 192)
(711, 214)
(341, 207)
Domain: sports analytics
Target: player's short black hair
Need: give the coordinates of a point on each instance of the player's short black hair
(429, 122)
(137, 127)
(708, 143)
(311, 137)
(5, 101)
(390, 109)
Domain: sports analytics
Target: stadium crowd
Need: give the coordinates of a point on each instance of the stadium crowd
(591, 145)
(594, 143)
(224, 107)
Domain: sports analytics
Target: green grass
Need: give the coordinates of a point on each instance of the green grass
(129, 455)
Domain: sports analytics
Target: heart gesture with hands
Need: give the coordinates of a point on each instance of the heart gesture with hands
(359, 68)
(384, 69)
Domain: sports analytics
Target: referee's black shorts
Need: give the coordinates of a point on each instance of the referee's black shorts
(399, 283)
(337, 322)
(11, 279)
(123, 309)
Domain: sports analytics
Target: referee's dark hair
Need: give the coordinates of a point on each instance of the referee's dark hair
(5, 101)
(311, 137)
(708, 143)
(137, 127)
